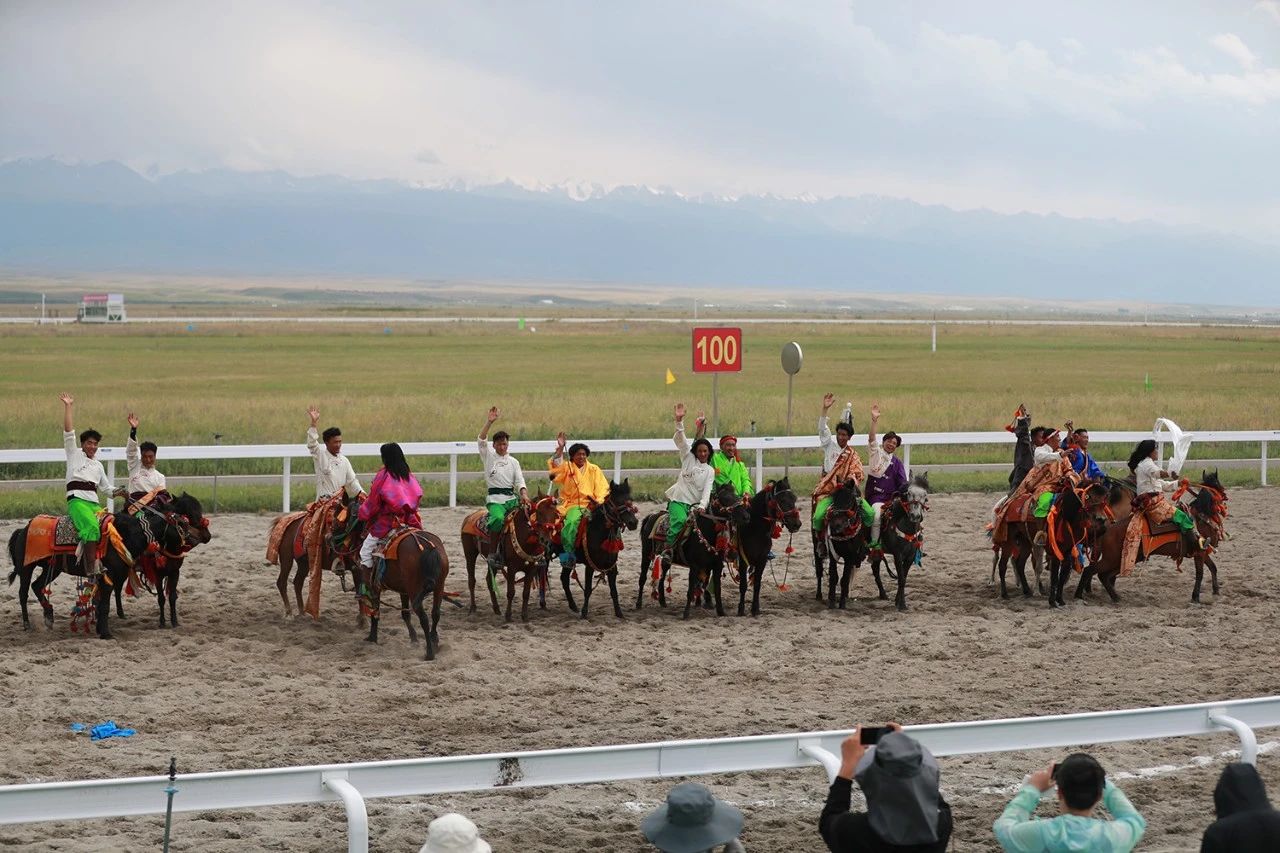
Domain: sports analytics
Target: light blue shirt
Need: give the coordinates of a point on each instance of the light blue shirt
(1018, 832)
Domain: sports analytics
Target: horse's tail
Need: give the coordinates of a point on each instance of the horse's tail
(431, 566)
(16, 541)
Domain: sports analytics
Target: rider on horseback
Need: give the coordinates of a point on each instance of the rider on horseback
(582, 485)
(728, 465)
(692, 488)
(840, 462)
(1081, 460)
(504, 480)
(886, 475)
(85, 477)
(333, 470)
(1151, 488)
(141, 458)
(393, 501)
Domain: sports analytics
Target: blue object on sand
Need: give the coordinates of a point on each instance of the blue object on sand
(77, 727)
(109, 729)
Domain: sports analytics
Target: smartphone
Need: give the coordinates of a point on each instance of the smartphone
(872, 734)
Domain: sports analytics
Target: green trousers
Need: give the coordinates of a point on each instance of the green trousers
(498, 514)
(569, 530)
(677, 518)
(824, 504)
(84, 515)
(1184, 521)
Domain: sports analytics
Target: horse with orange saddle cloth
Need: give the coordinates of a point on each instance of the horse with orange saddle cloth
(523, 543)
(413, 563)
(322, 536)
(50, 543)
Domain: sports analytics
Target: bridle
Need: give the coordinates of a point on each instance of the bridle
(775, 515)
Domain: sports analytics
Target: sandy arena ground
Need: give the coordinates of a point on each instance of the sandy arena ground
(237, 686)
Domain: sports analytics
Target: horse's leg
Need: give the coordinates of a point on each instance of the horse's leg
(846, 577)
(1213, 572)
(903, 566)
(1195, 590)
(662, 582)
(875, 573)
(742, 590)
(1037, 565)
(1086, 578)
(566, 578)
(1001, 564)
(24, 589)
(470, 554)
(175, 569)
(688, 595)
(510, 576)
(717, 588)
(161, 574)
(1109, 584)
(119, 591)
(282, 581)
(102, 607)
(587, 584)
(298, 578)
(1020, 570)
(38, 586)
(524, 606)
(833, 575)
(424, 621)
(819, 565)
(375, 600)
(613, 591)
(407, 616)
(1057, 577)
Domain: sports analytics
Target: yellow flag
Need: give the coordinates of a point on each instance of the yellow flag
(671, 377)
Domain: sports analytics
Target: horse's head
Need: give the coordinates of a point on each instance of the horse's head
(782, 504)
(914, 497)
(619, 508)
(844, 513)
(543, 517)
(196, 531)
(1211, 480)
(725, 500)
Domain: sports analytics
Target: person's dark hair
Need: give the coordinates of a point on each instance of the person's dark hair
(1080, 779)
(331, 432)
(148, 445)
(1079, 431)
(393, 460)
(1037, 432)
(1142, 451)
(501, 434)
(576, 446)
(846, 427)
(696, 442)
(891, 434)
(90, 433)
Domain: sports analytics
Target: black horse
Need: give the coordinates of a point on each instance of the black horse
(175, 528)
(772, 508)
(1071, 522)
(901, 531)
(113, 572)
(846, 540)
(602, 543)
(702, 549)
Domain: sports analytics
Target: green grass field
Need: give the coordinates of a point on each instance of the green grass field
(419, 383)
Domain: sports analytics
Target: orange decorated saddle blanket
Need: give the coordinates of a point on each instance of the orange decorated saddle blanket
(474, 524)
(48, 535)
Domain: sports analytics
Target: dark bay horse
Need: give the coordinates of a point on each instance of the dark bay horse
(1024, 540)
(1070, 524)
(523, 547)
(843, 541)
(703, 548)
(901, 532)
(172, 530)
(1207, 510)
(772, 509)
(339, 552)
(113, 572)
(416, 567)
(601, 544)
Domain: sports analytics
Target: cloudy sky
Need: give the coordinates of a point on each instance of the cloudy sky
(1165, 109)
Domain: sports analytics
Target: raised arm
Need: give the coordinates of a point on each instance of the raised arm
(489, 419)
(875, 419)
(557, 458)
(313, 437)
(700, 426)
(682, 443)
(68, 402)
(824, 429)
(131, 455)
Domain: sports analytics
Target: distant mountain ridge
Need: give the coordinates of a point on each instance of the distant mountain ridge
(60, 217)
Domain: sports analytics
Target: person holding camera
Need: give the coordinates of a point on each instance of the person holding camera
(1082, 784)
(899, 777)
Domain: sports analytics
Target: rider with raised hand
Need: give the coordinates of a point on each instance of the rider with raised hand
(504, 481)
(333, 470)
(726, 461)
(582, 484)
(886, 475)
(85, 477)
(1081, 460)
(831, 446)
(693, 487)
(141, 459)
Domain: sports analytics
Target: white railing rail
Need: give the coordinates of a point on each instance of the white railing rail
(618, 446)
(352, 784)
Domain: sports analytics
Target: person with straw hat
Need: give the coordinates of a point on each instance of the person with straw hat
(693, 821)
(453, 833)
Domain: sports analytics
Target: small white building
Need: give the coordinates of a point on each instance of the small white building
(102, 308)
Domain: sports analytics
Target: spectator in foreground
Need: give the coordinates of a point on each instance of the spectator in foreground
(905, 810)
(453, 833)
(693, 821)
(1082, 784)
(1246, 821)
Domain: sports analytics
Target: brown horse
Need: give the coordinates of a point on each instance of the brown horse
(416, 566)
(338, 556)
(1069, 525)
(1023, 540)
(1111, 544)
(527, 534)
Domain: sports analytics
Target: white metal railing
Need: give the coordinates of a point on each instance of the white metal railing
(618, 446)
(353, 783)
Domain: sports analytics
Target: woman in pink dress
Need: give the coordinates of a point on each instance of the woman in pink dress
(392, 502)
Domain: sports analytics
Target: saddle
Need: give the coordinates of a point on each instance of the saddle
(473, 524)
(48, 535)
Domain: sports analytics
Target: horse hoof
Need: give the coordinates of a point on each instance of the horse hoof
(373, 640)
(885, 596)
(842, 606)
(575, 609)
(107, 636)
(620, 614)
(1004, 596)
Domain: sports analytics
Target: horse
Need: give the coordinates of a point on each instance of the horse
(174, 530)
(901, 530)
(416, 566)
(1024, 540)
(523, 547)
(844, 540)
(601, 543)
(772, 508)
(1069, 525)
(1207, 509)
(338, 551)
(113, 572)
(702, 548)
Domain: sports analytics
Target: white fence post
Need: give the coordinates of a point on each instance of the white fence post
(906, 459)
(286, 483)
(1264, 463)
(453, 479)
(111, 475)
(357, 814)
(617, 466)
(1248, 739)
(759, 468)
